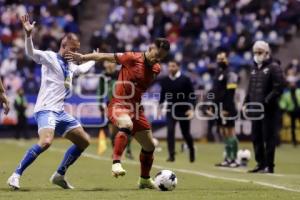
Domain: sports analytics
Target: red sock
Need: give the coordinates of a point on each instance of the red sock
(146, 160)
(120, 145)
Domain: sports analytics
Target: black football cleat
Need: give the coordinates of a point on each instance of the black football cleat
(171, 159)
(192, 156)
(257, 169)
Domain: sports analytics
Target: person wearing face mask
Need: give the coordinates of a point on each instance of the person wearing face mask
(265, 87)
(290, 103)
(223, 91)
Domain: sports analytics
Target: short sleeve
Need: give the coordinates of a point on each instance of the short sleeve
(124, 58)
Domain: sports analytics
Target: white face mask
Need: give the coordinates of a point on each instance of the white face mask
(259, 59)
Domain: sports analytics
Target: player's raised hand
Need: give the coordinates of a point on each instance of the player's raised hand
(73, 57)
(4, 101)
(28, 27)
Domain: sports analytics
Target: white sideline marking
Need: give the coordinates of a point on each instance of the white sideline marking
(186, 171)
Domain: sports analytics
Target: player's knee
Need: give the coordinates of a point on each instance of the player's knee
(45, 143)
(149, 147)
(152, 147)
(86, 141)
(124, 121)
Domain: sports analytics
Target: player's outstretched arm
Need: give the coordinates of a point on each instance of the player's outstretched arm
(3, 99)
(37, 55)
(99, 57)
(85, 67)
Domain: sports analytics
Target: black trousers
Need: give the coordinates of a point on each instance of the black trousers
(264, 135)
(185, 131)
(21, 127)
(294, 116)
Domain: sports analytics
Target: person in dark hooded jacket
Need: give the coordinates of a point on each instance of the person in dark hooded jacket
(265, 87)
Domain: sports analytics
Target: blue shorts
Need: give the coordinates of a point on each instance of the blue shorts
(61, 121)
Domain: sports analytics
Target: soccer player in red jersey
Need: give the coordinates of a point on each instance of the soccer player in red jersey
(138, 70)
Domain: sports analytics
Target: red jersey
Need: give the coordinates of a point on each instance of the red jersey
(134, 77)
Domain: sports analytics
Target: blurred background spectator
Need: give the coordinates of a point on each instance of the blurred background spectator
(20, 106)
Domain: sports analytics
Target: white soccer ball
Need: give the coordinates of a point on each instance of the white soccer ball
(165, 180)
(243, 156)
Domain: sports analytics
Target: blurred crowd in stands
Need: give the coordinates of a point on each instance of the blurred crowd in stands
(54, 18)
(197, 30)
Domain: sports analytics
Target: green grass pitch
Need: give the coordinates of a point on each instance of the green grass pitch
(91, 175)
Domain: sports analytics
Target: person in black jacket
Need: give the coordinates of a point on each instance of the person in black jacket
(178, 91)
(224, 85)
(265, 87)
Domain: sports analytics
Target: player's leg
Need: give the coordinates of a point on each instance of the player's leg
(258, 145)
(171, 123)
(269, 132)
(185, 130)
(144, 138)
(293, 128)
(81, 141)
(227, 148)
(46, 136)
(71, 129)
(125, 125)
(233, 144)
(113, 130)
(128, 148)
(46, 121)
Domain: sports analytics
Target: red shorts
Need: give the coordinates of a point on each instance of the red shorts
(140, 123)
